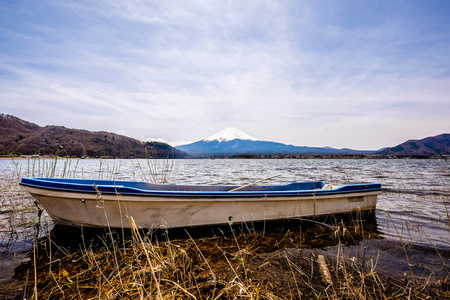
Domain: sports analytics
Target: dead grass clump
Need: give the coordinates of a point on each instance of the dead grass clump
(252, 265)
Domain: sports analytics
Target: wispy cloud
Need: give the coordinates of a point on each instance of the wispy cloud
(346, 74)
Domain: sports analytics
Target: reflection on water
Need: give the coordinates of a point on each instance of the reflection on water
(413, 208)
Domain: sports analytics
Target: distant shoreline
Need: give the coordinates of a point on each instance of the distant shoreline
(445, 157)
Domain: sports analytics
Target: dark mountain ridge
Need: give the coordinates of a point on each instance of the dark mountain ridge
(19, 137)
(233, 141)
(238, 146)
(24, 138)
(428, 147)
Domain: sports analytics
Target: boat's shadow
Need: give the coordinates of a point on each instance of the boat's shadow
(314, 233)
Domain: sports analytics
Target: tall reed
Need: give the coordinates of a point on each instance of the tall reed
(156, 170)
(234, 264)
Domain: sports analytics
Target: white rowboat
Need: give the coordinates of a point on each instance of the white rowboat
(104, 203)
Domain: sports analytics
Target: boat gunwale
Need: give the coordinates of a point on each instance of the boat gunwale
(130, 191)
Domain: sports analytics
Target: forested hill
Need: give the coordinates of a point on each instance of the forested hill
(431, 146)
(19, 137)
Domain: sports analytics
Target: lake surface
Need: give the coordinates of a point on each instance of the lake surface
(413, 208)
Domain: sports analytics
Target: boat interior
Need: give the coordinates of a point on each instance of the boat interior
(78, 184)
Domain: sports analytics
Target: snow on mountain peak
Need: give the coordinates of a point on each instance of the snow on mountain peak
(229, 134)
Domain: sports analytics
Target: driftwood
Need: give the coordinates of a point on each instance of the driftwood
(324, 271)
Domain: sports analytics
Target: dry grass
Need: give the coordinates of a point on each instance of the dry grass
(233, 263)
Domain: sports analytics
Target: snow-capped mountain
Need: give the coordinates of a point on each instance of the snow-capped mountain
(232, 141)
(229, 134)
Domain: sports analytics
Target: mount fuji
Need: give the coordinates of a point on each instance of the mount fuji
(233, 141)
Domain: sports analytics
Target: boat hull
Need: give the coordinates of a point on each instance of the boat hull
(115, 210)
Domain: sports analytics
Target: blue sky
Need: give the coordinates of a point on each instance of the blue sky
(357, 74)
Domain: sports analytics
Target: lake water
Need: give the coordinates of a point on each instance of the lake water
(413, 208)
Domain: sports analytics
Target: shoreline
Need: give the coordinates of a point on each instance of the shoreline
(275, 157)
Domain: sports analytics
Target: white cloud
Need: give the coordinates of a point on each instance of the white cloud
(305, 73)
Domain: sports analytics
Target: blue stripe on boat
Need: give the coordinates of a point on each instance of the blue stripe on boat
(149, 189)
